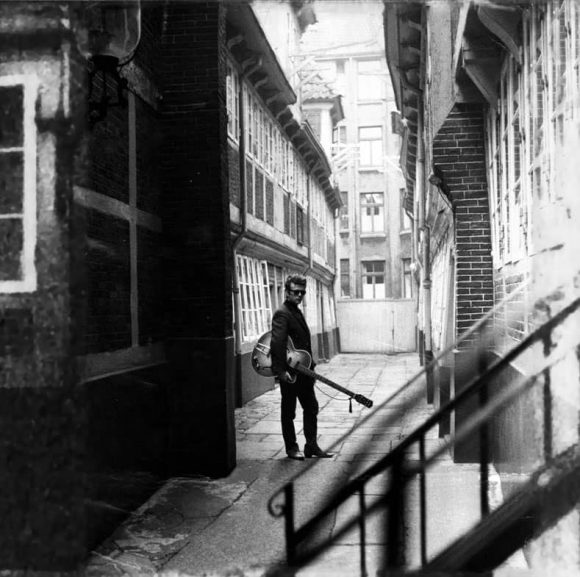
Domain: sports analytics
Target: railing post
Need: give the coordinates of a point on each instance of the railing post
(547, 394)
(396, 516)
(289, 524)
(363, 533)
(483, 436)
(423, 501)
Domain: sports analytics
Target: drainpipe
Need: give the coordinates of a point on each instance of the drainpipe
(243, 223)
(426, 258)
(309, 219)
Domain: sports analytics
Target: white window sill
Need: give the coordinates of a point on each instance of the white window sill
(373, 235)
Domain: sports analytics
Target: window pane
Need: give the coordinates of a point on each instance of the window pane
(11, 245)
(370, 81)
(344, 277)
(11, 116)
(11, 182)
(372, 212)
(370, 133)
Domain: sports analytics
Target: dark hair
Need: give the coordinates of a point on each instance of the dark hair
(294, 279)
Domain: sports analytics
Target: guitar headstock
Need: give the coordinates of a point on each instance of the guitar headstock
(363, 401)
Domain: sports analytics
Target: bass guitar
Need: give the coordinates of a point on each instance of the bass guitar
(298, 361)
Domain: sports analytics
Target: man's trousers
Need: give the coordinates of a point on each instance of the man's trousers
(303, 390)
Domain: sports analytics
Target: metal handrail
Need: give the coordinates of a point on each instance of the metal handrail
(408, 471)
(395, 459)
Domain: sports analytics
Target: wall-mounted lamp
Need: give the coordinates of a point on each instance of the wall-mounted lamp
(113, 33)
(435, 179)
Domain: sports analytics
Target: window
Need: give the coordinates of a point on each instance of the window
(270, 146)
(344, 277)
(286, 204)
(255, 297)
(249, 119)
(17, 184)
(257, 136)
(370, 80)
(373, 279)
(407, 284)
(371, 145)
(338, 137)
(276, 278)
(371, 212)
(232, 88)
(405, 220)
(344, 210)
(299, 225)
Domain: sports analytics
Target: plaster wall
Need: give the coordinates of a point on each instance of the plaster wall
(377, 326)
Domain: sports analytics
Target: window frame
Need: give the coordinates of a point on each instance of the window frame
(366, 274)
(233, 102)
(364, 142)
(344, 273)
(28, 280)
(255, 297)
(374, 218)
(378, 90)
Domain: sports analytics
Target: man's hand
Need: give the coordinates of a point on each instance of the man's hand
(285, 377)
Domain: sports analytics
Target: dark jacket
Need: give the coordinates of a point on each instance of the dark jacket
(288, 321)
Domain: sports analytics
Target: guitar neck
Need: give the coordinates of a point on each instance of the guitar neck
(310, 373)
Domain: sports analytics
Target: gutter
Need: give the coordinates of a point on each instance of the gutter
(309, 217)
(426, 259)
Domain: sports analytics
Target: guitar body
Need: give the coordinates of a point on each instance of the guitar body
(262, 357)
(299, 361)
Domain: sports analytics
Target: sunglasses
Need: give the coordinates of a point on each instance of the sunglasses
(297, 292)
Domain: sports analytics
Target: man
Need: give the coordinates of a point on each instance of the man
(288, 321)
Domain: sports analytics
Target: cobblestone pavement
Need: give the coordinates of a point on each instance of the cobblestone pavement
(219, 527)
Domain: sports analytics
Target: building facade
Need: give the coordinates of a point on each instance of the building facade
(373, 245)
(489, 95)
(282, 202)
(156, 187)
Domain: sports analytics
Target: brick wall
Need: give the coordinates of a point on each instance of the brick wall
(234, 175)
(197, 275)
(458, 150)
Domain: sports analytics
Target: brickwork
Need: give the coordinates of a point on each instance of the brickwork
(109, 317)
(197, 275)
(150, 287)
(234, 176)
(149, 143)
(107, 170)
(458, 150)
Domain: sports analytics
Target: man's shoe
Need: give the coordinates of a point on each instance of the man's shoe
(295, 454)
(316, 452)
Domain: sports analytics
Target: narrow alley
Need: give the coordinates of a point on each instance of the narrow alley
(385, 185)
(198, 526)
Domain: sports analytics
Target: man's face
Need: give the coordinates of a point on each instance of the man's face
(295, 293)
